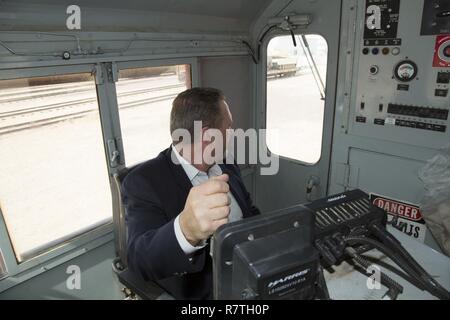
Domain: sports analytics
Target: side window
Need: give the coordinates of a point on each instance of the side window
(145, 98)
(54, 180)
(296, 96)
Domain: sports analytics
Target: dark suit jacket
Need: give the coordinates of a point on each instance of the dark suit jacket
(154, 194)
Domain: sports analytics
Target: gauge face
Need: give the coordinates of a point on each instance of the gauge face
(405, 70)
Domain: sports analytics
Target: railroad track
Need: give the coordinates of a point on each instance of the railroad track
(64, 105)
(15, 95)
(79, 114)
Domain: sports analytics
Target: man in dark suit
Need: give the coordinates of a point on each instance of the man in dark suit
(175, 202)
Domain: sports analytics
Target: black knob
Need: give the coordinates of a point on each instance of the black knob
(373, 70)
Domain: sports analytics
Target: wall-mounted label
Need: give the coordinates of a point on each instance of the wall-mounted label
(382, 42)
(361, 119)
(409, 218)
(403, 87)
(378, 121)
(381, 21)
(390, 121)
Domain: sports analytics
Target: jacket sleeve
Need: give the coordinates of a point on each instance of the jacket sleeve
(152, 248)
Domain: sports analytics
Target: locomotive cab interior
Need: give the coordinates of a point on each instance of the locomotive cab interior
(346, 102)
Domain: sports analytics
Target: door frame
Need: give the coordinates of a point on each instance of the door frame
(321, 169)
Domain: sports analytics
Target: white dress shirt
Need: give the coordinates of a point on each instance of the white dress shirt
(197, 177)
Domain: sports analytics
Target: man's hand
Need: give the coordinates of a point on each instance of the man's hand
(207, 208)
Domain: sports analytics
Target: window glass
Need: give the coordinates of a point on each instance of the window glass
(53, 175)
(296, 96)
(145, 98)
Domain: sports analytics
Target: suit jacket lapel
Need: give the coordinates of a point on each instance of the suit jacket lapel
(179, 174)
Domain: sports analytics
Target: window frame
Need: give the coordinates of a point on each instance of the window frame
(264, 78)
(195, 82)
(65, 250)
(60, 253)
(115, 115)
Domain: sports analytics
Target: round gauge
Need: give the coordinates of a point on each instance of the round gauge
(405, 70)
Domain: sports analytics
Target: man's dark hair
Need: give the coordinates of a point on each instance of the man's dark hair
(196, 104)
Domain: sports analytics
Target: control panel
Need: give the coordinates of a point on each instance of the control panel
(401, 77)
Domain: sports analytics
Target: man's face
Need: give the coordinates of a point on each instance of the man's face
(214, 149)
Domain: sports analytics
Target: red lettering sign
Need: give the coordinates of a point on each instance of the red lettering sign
(401, 209)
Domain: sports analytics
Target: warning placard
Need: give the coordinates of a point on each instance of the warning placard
(442, 51)
(408, 216)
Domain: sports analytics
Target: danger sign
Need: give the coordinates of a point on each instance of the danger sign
(408, 217)
(401, 209)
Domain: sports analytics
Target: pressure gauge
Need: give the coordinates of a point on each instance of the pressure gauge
(405, 70)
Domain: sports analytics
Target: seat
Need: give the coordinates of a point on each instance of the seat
(147, 290)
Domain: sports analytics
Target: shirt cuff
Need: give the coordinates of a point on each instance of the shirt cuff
(184, 244)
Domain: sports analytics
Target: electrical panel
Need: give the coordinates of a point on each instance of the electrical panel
(401, 78)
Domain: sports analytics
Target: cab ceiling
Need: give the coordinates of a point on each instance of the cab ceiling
(240, 9)
(229, 16)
